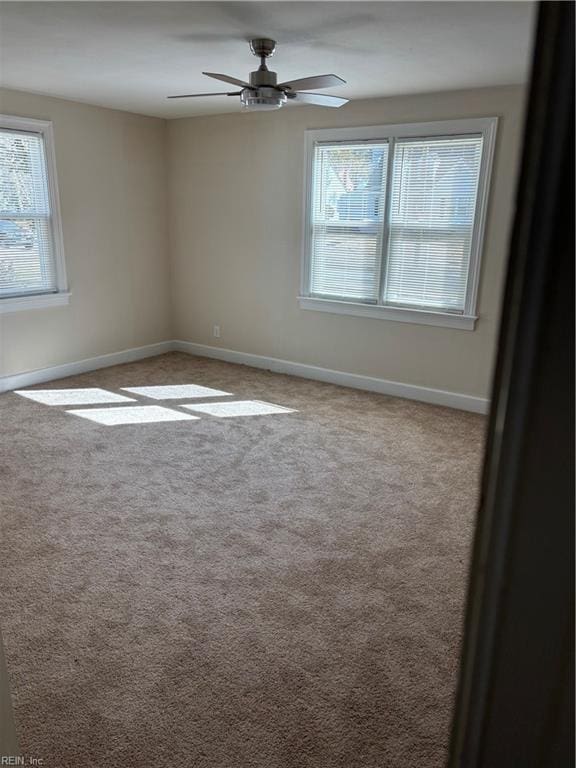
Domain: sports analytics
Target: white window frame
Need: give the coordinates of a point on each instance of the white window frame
(486, 126)
(62, 295)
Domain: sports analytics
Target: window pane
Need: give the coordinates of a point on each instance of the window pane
(26, 248)
(348, 188)
(26, 264)
(23, 184)
(434, 188)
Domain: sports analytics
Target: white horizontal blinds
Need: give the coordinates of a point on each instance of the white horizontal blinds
(27, 264)
(432, 211)
(347, 212)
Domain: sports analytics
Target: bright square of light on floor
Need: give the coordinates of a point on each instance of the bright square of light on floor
(239, 408)
(176, 391)
(93, 395)
(139, 414)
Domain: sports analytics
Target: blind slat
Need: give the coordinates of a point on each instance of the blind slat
(27, 264)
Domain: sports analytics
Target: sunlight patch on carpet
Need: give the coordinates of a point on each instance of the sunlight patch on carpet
(176, 392)
(141, 414)
(93, 395)
(240, 408)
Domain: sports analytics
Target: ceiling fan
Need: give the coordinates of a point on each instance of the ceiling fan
(263, 92)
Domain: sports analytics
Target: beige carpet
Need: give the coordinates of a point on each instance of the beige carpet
(278, 591)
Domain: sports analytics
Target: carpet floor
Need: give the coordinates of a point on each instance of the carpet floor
(270, 591)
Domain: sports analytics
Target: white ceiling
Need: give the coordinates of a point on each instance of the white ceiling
(131, 55)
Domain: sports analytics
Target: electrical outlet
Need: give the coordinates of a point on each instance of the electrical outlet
(216, 331)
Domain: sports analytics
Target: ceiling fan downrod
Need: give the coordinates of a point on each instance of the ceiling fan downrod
(263, 48)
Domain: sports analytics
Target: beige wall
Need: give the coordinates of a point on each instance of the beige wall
(236, 184)
(112, 176)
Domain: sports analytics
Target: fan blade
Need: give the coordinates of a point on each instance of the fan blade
(321, 99)
(320, 81)
(196, 95)
(227, 79)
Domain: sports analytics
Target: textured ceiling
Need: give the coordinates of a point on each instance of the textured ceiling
(131, 55)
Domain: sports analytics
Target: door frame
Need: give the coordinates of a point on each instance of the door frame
(514, 705)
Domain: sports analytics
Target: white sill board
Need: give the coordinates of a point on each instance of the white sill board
(421, 317)
(41, 301)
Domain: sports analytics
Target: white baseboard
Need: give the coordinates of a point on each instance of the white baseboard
(382, 386)
(369, 383)
(28, 378)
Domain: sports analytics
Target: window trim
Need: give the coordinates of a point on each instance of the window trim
(486, 126)
(61, 296)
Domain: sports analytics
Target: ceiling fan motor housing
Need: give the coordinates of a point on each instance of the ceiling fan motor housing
(263, 77)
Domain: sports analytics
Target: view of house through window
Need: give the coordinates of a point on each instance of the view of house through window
(349, 187)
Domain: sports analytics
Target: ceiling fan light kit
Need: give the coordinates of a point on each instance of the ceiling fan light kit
(263, 92)
(262, 99)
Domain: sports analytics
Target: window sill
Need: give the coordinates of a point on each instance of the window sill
(418, 316)
(40, 301)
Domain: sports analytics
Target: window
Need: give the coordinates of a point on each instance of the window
(31, 254)
(394, 218)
